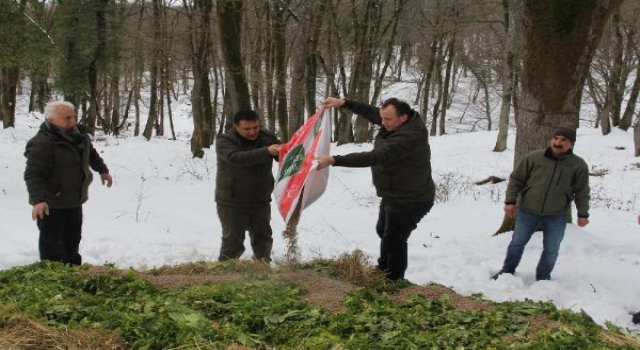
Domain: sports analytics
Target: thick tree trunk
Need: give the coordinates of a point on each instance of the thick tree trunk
(200, 47)
(299, 53)
(627, 116)
(9, 83)
(280, 69)
(97, 64)
(367, 36)
(229, 15)
(154, 70)
(559, 42)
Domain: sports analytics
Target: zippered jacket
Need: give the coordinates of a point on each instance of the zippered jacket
(400, 160)
(58, 171)
(546, 185)
(244, 175)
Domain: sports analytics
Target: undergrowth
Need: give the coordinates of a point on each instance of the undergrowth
(261, 311)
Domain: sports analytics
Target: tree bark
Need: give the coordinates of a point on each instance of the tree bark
(229, 15)
(507, 80)
(154, 70)
(559, 42)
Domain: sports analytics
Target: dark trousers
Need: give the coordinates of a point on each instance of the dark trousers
(236, 222)
(396, 221)
(60, 234)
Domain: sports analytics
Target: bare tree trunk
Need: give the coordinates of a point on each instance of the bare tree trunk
(445, 87)
(311, 65)
(299, 53)
(280, 69)
(229, 14)
(636, 138)
(555, 65)
(507, 80)
(138, 71)
(428, 77)
(154, 70)
(96, 64)
(627, 116)
(200, 47)
(379, 78)
(9, 83)
(367, 33)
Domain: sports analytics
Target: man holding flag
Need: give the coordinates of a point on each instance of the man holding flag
(244, 183)
(400, 164)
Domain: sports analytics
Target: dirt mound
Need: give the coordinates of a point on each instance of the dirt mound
(435, 291)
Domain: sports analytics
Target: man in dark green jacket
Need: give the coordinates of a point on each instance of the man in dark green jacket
(58, 176)
(543, 185)
(244, 183)
(401, 168)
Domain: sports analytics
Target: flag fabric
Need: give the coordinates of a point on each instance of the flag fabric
(296, 173)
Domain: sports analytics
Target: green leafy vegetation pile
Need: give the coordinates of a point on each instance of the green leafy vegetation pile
(239, 305)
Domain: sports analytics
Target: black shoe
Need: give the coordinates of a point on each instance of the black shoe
(636, 318)
(495, 277)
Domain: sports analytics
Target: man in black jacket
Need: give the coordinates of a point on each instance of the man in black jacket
(401, 168)
(58, 176)
(244, 183)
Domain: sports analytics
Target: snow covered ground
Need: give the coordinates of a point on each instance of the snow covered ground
(161, 211)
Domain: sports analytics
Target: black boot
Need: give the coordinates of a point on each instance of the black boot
(495, 277)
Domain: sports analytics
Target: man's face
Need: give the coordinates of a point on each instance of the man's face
(249, 129)
(64, 117)
(560, 145)
(390, 118)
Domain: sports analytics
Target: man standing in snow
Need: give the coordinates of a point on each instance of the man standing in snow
(58, 176)
(543, 184)
(244, 184)
(401, 167)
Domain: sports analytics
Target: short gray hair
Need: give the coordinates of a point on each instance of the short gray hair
(49, 108)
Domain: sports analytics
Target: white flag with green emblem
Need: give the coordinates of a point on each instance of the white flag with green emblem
(297, 174)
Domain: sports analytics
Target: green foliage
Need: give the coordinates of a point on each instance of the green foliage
(261, 311)
(23, 44)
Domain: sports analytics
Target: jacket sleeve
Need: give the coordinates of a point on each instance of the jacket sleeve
(95, 161)
(229, 151)
(518, 179)
(582, 191)
(368, 112)
(37, 172)
(396, 148)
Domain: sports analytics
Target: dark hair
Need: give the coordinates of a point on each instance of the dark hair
(401, 107)
(246, 114)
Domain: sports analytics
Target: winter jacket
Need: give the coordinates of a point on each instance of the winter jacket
(545, 184)
(57, 170)
(400, 160)
(244, 175)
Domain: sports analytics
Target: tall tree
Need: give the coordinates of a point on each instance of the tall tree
(299, 54)
(229, 15)
(154, 68)
(200, 46)
(560, 38)
(507, 77)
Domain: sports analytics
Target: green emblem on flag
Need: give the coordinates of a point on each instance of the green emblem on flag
(292, 162)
